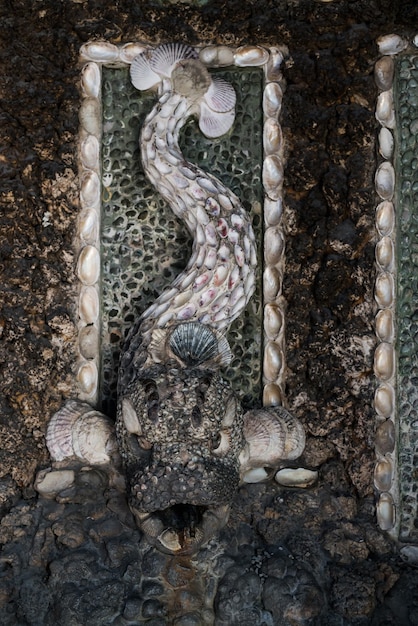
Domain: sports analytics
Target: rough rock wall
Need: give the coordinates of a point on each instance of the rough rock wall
(330, 130)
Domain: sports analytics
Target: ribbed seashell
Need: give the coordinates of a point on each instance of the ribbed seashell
(90, 190)
(383, 72)
(385, 180)
(90, 116)
(383, 475)
(249, 56)
(272, 283)
(386, 143)
(385, 253)
(272, 136)
(384, 400)
(91, 80)
(166, 56)
(89, 305)
(384, 361)
(88, 341)
(88, 265)
(384, 290)
(88, 226)
(193, 343)
(143, 76)
(214, 124)
(129, 51)
(273, 320)
(273, 211)
(271, 435)
(385, 328)
(296, 477)
(273, 245)
(89, 152)
(385, 437)
(217, 56)
(385, 112)
(275, 62)
(272, 395)
(273, 176)
(391, 44)
(272, 362)
(101, 51)
(87, 377)
(220, 96)
(385, 218)
(272, 99)
(386, 512)
(93, 438)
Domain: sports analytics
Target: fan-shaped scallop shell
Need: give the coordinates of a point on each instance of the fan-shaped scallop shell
(213, 124)
(143, 76)
(164, 57)
(220, 96)
(194, 343)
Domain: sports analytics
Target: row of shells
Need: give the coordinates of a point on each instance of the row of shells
(94, 55)
(385, 471)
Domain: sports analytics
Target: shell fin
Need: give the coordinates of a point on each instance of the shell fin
(214, 124)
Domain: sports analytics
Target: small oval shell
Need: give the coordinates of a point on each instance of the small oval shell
(256, 475)
(89, 152)
(386, 143)
(87, 377)
(273, 245)
(275, 62)
(91, 80)
(100, 51)
(88, 265)
(385, 510)
(273, 361)
(391, 44)
(384, 400)
(217, 56)
(272, 395)
(89, 305)
(273, 177)
(49, 483)
(249, 56)
(384, 290)
(385, 113)
(129, 51)
(385, 180)
(385, 328)
(385, 253)
(88, 340)
(384, 361)
(383, 72)
(90, 190)
(383, 475)
(298, 477)
(272, 283)
(273, 211)
(385, 218)
(385, 437)
(90, 116)
(88, 226)
(272, 99)
(273, 320)
(272, 136)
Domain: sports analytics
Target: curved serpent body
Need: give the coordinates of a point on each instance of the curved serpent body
(184, 441)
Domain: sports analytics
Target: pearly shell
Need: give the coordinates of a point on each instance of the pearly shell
(273, 245)
(50, 483)
(256, 475)
(91, 80)
(89, 305)
(383, 475)
(391, 44)
(272, 395)
(88, 340)
(272, 283)
(129, 51)
(217, 56)
(384, 400)
(272, 136)
(385, 437)
(90, 116)
(275, 62)
(87, 377)
(249, 56)
(273, 211)
(385, 253)
(385, 112)
(89, 152)
(385, 218)
(384, 290)
(385, 328)
(273, 320)
(272, 99)
(299, 477)
(273, 361)
(273, 177)
(88, 265)
(385, 180)
(90, 189)
(101, 51)
(386, 513)
(386, 143)
(88, 226)
(383, 72)
(384, 361)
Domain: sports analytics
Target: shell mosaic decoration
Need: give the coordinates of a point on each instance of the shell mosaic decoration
(184, 441)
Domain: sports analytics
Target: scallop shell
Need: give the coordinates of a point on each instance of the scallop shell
(194, 343)
(166, 56)
(273, 177)
(385, 218)
(249, 56)
(391, 44)
(272, 362)
(100, 51)
(272, 136)
(217, 56)
(87, 377)
(383, 72)
(88, 226)
(384, 290)
(384, 400)
(386, 143)
(385, 437)
(88, 265)
(385, 253)
(220, 96)
(90, 190)
(129, 51)
(272, 283)
(89, 152)
(272, 99)
(143, 76)
(273, 320)
(90, 116)
(89, 305)
(296, 477)
(88, 340)
(386, 513)
(385, 112)
(214, 124)
(273, 245)
(385, 328)
(91, 80)
(273, 211)
(384, 361)
(385, 180)
(272, 395)
(272, 435)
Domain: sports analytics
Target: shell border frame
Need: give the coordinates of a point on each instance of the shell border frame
(97, 54)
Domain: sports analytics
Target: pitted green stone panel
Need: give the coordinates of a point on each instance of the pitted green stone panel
(144, 246)
(407, 231)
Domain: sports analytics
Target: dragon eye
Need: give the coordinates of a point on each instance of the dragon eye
(215, 442)
(221, 443)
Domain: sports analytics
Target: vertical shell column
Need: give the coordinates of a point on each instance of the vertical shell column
(385, 472)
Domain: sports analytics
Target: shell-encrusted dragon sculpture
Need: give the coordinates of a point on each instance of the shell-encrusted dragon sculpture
(184, 441)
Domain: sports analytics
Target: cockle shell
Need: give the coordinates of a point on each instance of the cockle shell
(90, 189)
(385, 180)
(384, 290)
(385, 218)
(88, 226)
(272, 136)
(194, 343)
(272, 99)
(383, 475)
(89, 152)
(217, 56)
(385, 112)
(78, 431)
(385, 328)
(273, 245)
(384, 361)
(89, 305)
(384, 400)
(220, 96)
(385, 253)
(213, 124)
(273, 176)
(88, 265)
(385, 437)
(87, 377)
(386, 143)
(247, 56)
(386, 513)
(383, 72)
(391, 44)
(91, 80)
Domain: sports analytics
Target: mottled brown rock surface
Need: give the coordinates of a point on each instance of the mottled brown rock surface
(347, 567)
